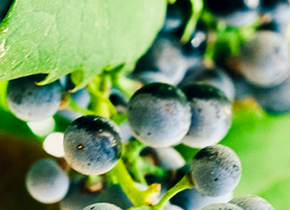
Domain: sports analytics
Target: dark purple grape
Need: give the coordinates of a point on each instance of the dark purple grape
(165, 61)
(251, 202)
(4, 7)
(265, 59)
(159, 115)
(177, 15)
(218, 78)
(191, 199)
(274, 100)
(222, 206)
(46, 181)
(211, 115)
(216, 170)
(234, 13)
(102, 206)
(79, 197)
(92, 145)
(31, 102)
(272, 5)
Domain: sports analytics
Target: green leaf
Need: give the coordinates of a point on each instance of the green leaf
(262, 143)
(59, 37)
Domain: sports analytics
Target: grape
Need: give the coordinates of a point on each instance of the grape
(119, 100)
(125, 132)
(216, 170)
(82, 99)
(191, 199)
(251, 202)
(165, 57)
(79, 197)
(102, 206)
(234, 13)
(53, 144)
(31, 102)
(274, 26)
(92, 145)
(279, 11)
(171, 207)
(177, 15)
(159, 115)
(265, 59)
(211, 115)
(274, 100)
(222, 206)
(271, 5)
(169, 158)
(149, 76)
(4, 7)
(219, 79)
(46, 182)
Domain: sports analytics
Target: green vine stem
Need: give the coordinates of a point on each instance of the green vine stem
(185, 183)
(99, 90)
(197, 8)
(137, 165)
(71, 105)
(120, 175)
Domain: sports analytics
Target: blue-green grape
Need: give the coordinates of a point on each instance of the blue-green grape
(216, 170)
(251, 202)
(46, 181)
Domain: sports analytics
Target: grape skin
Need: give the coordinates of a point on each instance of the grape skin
(222, 206)
(159, 115)
(191, 199)
(4, 7)
(234, 13)
(219, 79)
(31, 102)
(251, 202)
(92, 145)
(169, 158)
(265, 59)
(177, 15)
(274, 100)
(216, 170)
(102, 206)
(165, 60)
(79, 197)
(46, 182)
(211, 115)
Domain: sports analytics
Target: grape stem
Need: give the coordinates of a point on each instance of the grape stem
(197, 8)
(185, 183)
(136, 165)
(120, 175)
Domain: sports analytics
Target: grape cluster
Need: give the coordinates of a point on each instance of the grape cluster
(116, 147)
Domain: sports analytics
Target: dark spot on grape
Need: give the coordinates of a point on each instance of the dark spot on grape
(93, 207)
(216, 179)
(236, 167)
(149, 134)
(89, 164)
(199, 110)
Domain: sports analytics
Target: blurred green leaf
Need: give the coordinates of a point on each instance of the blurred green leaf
(59, 37)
